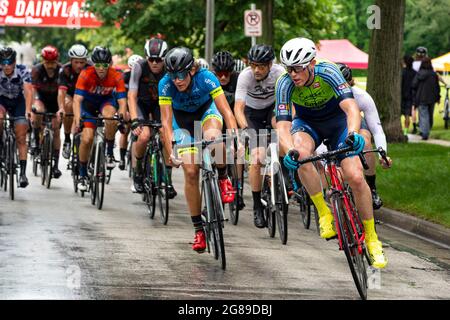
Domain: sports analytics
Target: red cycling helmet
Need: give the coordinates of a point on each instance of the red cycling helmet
(50, 53)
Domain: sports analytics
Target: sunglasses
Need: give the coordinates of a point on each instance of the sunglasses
(153, 60)
(261, 65)
(180, 75)
(7, 62)
(297, 69)
(221, 74)
(101, 65)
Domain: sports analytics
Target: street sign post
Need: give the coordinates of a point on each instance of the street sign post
(253, 23)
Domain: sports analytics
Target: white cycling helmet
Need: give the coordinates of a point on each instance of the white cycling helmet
(298, 52)
(132, 60)
(203, 63)
(78, 51)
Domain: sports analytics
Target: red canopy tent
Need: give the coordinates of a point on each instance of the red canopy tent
(343, 51)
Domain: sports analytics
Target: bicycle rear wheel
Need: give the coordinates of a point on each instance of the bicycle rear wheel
(349, 242)
(74, 162)
(12, 166)
(100, 177)
(216, 223)
(281, 207)
(49, 173)
(269, 212)
(233, 206)
(163, 188)
(446, 113)
(44, 159)
(305, 207)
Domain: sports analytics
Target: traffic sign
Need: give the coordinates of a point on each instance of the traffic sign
(253, 23)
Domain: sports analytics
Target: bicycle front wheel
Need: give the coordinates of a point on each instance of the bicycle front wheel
(12, 166)
(305, 208)
(100, 177)
(216, 223)
(349, 242)
(269, 212)
(163, 188)
(48, 174)
(281, 207)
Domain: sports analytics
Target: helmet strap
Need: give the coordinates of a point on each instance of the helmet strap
(310, 77)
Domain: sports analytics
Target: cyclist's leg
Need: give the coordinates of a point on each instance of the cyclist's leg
(17, 110)
(68, 121)
(108, 109)
(123, 143)
(87, 137)
(2, 116)
(56, 125)
(36, 123)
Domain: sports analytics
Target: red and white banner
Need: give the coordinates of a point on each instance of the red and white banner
(44, 13)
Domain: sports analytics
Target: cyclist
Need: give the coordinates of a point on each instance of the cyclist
(188, 96)
(143, 103)
(325, 109)
(239, 65)
(123, 143)
(254, 106)
(44, 78)
(223, 67)
(370, 126)
(67, 81)
(93, 95)
(203, 63)
(16, 98)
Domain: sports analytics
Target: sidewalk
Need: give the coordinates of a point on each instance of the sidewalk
(414, 138)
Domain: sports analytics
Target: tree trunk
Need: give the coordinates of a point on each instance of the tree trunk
(384, 77)
(267, 22)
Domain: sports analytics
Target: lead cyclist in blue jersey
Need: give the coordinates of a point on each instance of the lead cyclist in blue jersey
(325, 109)
(190, 95)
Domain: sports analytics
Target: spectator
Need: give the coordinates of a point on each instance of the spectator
(426, 93)
(408, 75)
(421, 53)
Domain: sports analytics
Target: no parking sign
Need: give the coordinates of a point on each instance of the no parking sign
(253, 23)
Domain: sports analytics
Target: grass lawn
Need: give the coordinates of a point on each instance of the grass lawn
(438, 131)
(419, 181)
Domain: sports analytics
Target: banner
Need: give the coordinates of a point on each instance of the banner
(45, 13)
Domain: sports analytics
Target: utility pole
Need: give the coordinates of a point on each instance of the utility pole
(209, 40)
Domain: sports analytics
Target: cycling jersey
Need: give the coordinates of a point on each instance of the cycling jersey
(145, 82)
(12, 87)
(318, 101)
(46, 86)
(67, 78)
(371, 117)
(96, 90)
(203, 89)
(230, 89)
(258, 94)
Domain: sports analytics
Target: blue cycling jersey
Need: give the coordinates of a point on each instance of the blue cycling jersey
(204, 87)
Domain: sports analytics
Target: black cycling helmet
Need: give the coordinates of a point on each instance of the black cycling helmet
(156, 48)
(223, 61)
(261, 53)
(179, 59)
(421, 51)
(101, 55)
(7, 53)
(346, 71)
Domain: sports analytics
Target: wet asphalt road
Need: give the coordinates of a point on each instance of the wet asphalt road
(56, 245)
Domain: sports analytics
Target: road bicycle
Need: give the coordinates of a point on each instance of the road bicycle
(8, 156)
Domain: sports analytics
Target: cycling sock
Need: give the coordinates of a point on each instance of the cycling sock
(197, 222)
(222, 172)
(23, 167)
(256, 200)
(123, 152)
(320, 204)
(369, 227)
(83, 169)
(138, 169)
(55, 158)
(110, 147)
(66, 137)
(371, 182)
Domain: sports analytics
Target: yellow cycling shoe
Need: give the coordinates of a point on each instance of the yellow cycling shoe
(327, 229)
(376, 254)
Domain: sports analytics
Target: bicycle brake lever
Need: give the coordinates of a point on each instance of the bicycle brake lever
(363, 161)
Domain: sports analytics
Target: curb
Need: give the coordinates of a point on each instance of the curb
(414, 225)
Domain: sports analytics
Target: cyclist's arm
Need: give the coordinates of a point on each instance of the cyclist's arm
(224, 109)
(283, 110)
(239, 107)
(29, 97)
(122, 106)
(240, 95)
(351, 109)
(166, 121)
(284, 136)
(61, 98)
(133, 87)
(77, 100)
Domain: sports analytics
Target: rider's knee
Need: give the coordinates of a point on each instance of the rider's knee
(355, 179)
(191, 174)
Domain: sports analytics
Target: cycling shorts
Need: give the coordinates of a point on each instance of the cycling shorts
(91, 109)
(258, 120)
(145, 109)
(15, 108)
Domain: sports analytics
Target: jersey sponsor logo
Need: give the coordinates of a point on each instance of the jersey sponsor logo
(316, 85)
(281, 107)
(343, 86)
(211, 83)
(104, 91)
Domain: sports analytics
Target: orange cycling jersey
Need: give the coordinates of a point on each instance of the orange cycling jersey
(94, 89)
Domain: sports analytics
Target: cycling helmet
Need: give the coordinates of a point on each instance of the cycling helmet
(179, 59)
(223, 61)
(50, 53)
(155, 48)
(132, 60)
(101, 55)
(239, 65)
(7, 53)
(261, 53)
(421, 51)
(203, 63)
(346, 71)
(298, 52)
(78, 51)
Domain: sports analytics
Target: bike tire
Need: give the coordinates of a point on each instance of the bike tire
(217, 224)
(233, 207)
(49, 173)
(91, 175)
(281, 208)
(305, 208)
(12, 166)
(100, 176)
(75, 163)
(148, 184)
(354, 258)
(446, 113)
(208, 227)
(163, 190)
(44, 161)
(269, 213)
